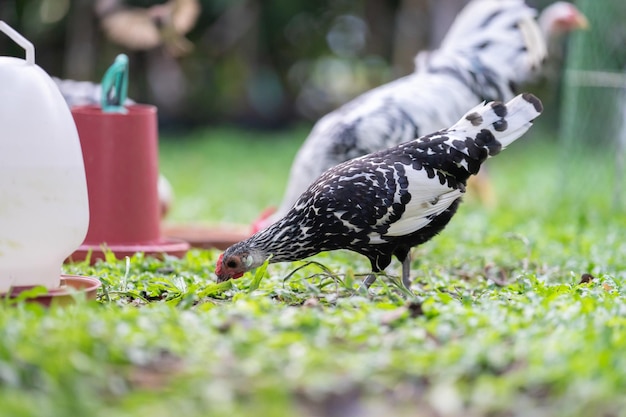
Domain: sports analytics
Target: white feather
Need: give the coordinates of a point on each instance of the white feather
(428, 197)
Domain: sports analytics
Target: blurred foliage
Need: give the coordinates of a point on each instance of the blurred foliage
(595, 97)
(258, 62)
(267, 63)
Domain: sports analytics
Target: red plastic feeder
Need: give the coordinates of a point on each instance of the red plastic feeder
(120, 152)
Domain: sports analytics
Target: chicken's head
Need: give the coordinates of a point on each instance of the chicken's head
(237, 260)
(562, 17)
(230, 268)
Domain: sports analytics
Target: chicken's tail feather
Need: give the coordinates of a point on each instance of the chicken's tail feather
(495, 125)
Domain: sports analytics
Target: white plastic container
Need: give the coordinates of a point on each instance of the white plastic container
(44, 210)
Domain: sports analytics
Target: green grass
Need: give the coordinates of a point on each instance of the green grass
(498, 323)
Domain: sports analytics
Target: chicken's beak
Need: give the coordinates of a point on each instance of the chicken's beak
(581, 22)
(225, 277)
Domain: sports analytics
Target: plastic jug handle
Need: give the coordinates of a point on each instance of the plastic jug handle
(115, 86)
(20, 40)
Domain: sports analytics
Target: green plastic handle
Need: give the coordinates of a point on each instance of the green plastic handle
(115, 86)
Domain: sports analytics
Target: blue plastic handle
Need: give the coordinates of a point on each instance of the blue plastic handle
(115, 86)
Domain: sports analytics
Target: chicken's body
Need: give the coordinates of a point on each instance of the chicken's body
(382, 204)
(383, 117)
(492, 47)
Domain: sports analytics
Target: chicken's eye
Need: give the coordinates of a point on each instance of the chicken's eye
(231, 264)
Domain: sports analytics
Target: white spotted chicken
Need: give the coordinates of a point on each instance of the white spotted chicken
(382, 204)
(492, 47)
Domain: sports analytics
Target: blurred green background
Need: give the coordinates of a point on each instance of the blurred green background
(270, 63)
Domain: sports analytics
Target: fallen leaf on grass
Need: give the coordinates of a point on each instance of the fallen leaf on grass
(415, 308)
(311, 302)
(586, 279)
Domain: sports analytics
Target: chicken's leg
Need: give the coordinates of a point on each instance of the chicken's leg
(369, 280)
(406, 271)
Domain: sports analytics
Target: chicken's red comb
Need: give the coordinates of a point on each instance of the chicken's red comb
(218, 268)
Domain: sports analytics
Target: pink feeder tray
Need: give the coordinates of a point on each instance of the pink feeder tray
(64, 294)
(173, 247)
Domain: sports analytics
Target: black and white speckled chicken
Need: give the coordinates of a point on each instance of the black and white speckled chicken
(492, 47)
(382, 204)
